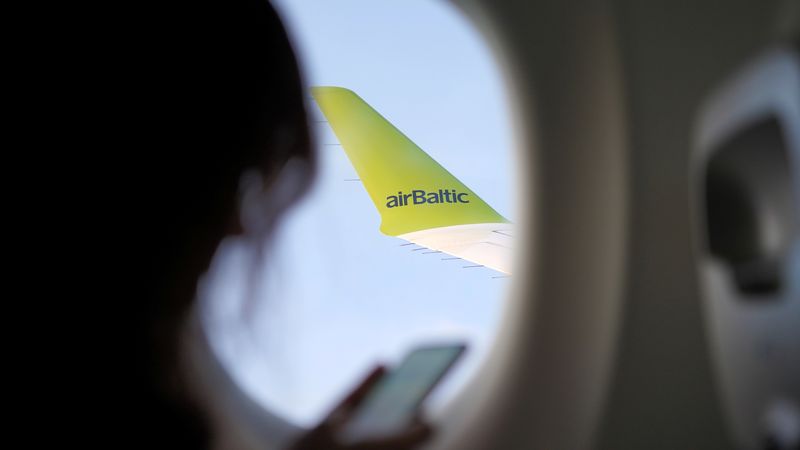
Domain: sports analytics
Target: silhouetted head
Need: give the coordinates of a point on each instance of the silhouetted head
(214, 93)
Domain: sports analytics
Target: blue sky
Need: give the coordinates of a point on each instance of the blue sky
(336, 296)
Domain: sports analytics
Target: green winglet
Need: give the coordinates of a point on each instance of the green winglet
(411, 191)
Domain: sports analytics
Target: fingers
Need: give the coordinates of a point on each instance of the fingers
(356, 396)
(362, 390)
(415, 435)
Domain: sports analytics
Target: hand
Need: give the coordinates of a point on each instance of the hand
(323, 437)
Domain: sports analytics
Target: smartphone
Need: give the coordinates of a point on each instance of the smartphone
(392, 403)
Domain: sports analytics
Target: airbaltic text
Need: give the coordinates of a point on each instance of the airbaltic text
(419, 197)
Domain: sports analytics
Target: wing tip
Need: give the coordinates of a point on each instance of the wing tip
(318, 91)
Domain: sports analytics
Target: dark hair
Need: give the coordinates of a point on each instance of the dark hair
(214, 90)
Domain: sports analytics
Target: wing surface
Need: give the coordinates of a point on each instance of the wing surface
(418, 199)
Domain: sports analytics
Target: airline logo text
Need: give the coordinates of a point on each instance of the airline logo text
(420, 197)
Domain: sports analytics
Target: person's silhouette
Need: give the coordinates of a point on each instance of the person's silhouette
(214, 112)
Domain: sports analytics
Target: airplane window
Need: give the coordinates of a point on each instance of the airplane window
(405, 236)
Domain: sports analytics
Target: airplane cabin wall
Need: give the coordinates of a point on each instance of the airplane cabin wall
(604, 345)
(664, 393)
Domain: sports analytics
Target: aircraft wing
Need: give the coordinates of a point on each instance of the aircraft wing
(418, 199)
(485, 244)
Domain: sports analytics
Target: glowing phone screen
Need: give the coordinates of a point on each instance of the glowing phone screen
(391, 405)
